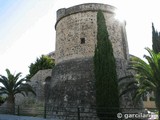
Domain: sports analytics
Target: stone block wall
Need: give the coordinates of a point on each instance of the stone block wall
(38, 82)
(76, 32)
(73, 82)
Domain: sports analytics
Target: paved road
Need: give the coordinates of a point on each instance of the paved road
(13, 117)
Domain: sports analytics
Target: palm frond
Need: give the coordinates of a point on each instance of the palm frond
(12, 85)
(129, 90)
(26, 88)
(16, 77)
(20, 82)
(4, 81)
(138, 95)
(147, 74)
(128, 84)
(125, 77)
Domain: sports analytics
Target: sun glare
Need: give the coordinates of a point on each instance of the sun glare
(119, 15)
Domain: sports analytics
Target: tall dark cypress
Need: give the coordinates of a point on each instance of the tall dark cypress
(107, 97)
(155, 40)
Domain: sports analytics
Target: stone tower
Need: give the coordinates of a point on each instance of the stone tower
(76, 31)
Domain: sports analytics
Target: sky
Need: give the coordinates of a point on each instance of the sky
(27, 28)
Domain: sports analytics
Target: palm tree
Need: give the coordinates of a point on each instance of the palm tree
(11, 85)
(147, 76)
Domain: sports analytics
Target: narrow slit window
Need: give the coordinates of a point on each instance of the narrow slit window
(82, 40)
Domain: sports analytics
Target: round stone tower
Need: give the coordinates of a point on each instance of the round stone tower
(76, 36)
(76, 32)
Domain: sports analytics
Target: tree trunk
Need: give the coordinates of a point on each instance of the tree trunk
(11, 104)
(157, 101)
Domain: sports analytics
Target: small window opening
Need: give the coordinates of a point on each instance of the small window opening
(82, 40)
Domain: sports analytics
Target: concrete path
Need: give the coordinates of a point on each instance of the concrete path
(13, 117)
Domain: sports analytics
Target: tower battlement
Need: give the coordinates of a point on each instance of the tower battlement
(63, 12)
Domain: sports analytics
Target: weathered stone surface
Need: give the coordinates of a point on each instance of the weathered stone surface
(126, 100)
(79, 24)
(83, 8)
(38, 82)
(73, 82)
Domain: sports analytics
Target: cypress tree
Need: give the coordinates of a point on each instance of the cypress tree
(155, 40)
(107, 96)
